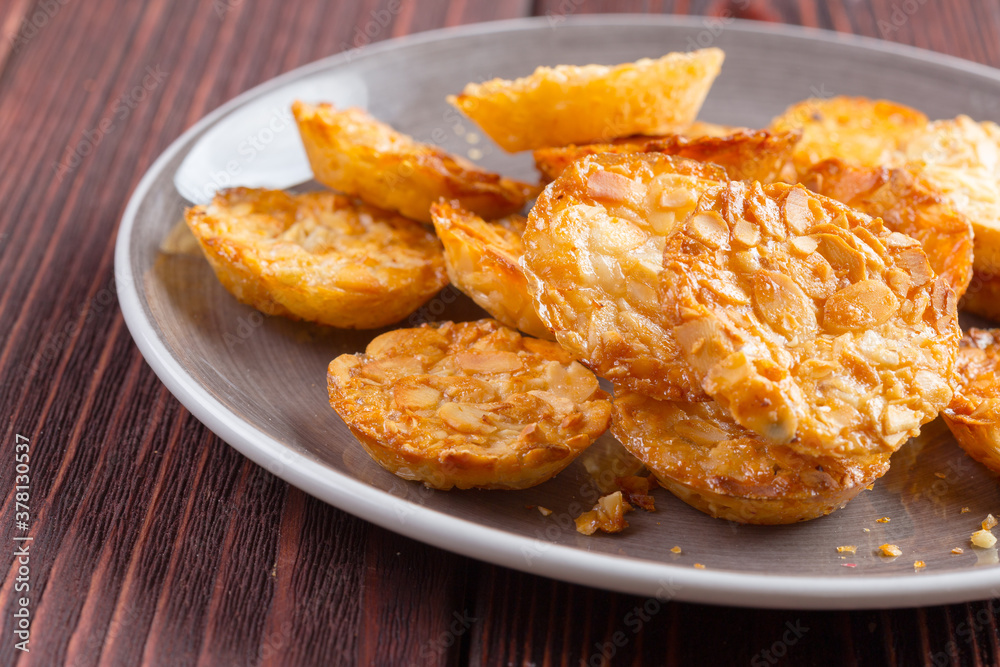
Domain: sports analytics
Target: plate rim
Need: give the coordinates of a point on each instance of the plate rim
(616, 573)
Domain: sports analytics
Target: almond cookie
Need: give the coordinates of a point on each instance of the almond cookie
(319, 256)
(962, 159)
(712, 463)
(974, 414)
(747, 154)
(593, 256)
(567, 104)
(468, 405)
(856, 129)
(811, 323)
(483, 261)
(907, 202)
(352, 152)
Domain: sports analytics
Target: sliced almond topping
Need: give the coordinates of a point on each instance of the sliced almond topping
(416, 397)
(866, 304)
(489, 362)
(798, 215)
(614, 187)
(709, 228)
(465, 418)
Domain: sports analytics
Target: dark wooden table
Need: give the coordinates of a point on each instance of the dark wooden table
(156, 542)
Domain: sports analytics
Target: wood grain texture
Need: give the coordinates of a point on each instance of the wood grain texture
(156, 543)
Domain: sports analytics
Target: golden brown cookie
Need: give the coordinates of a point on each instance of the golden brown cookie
(856, 129)
(974, 414)
(352, 152)
(747, 154)
(567, 104)
(483, 261)
(962, 159)
(319, 256)
(907, 202)
(594, 254)
(810, 322)
(712, 463)
(473, 404)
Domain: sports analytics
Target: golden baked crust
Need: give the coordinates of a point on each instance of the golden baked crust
(712, 463)
(811, 323)
(856, 129)
(962, 159)
(755, 155)
(701, 128)
(352, 152)
(567, 104)
(974, 414)
(319, 256)
(467, 405)
(483, 261)
(907, 203)
(593, 256)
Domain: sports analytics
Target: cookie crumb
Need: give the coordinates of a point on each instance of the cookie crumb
(990, 522)
(847, 549)
(983, 539)
(544, 511)
(965, 510)
(919, 564)
(958, 550)
(884, 519)
(608, 515)
(890, 551)
(675, 550)
(699, 566)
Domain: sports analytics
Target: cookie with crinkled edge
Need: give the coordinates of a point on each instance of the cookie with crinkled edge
(468, 405)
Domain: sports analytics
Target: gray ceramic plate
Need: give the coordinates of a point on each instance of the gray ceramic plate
(260, 382)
